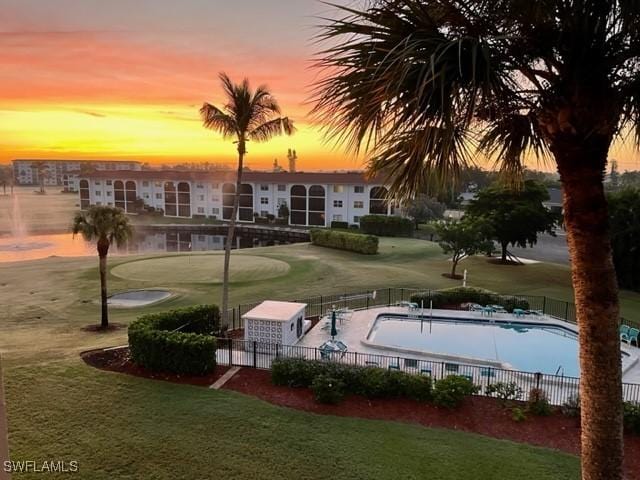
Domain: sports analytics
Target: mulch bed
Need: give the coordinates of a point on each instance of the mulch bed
(118, 360)
(482, 415)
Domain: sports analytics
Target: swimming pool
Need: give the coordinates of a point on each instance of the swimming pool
(519, 345)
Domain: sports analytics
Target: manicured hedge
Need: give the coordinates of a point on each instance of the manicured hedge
(386, 226)
(458, 296)
(336, 224)
(179, 341)
(353, 242)
(371, 382)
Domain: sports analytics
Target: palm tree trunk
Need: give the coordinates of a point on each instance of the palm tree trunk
(103, 249)
(454, 264)
(230, 235)
(597, 312)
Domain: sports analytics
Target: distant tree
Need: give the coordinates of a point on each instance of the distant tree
(515, 217)
(624, 218)
(247, 115)
(423, 209)
(630, 179)
(283, 211)
(105, 225)
(42, 172)
(614, 176)
(462, 238)
(6, 177)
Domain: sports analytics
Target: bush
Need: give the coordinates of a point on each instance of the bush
(179, 341)
(261, 220)
(631, 417)
(571, 407)
(451, 391)
(386, 226)
(461, 295)
(518, 415)
(504, 391)
(370, 382)
(538, 403)
(336, 224)
(327, 389)
(353, 242)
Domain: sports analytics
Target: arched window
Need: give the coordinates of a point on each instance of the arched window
(378, 200)
(184, 199)
(130, 196)
(85, 200)
(177, 199)
(316, 202)
(298, 211)
(119, 194)
(245, 211)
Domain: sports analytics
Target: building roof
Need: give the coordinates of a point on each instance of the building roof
(275, 311)
(59, 160)
(248, 176)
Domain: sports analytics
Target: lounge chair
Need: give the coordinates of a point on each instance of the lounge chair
(518, 312)
(498, 308)
(475, 307)
(633, 336)
(488, 310)
(624, 333)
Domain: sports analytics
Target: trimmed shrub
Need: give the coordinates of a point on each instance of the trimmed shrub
(327, 389)
(337, 224)
(518, 415)
(504, 391)
(460, 295)
(179, 341)
(538, 402)
(452, 390)
(370, 382)
(353, 242)
(386, 226)
(571, 407)
(631, 417)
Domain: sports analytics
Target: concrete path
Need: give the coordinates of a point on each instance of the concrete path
(224, 378)
(4, 440)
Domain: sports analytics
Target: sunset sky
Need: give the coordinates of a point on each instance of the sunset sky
(124, 79)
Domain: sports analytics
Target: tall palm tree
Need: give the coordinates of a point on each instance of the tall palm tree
(42, 171)
(247, 115)
(105, 225)
(424, 85)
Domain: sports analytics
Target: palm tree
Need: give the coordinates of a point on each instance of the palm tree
(105, 225)
(248, 115)
(422, 86)
(42, 171)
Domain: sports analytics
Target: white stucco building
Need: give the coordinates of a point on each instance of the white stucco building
(313, 198)
(275, 322)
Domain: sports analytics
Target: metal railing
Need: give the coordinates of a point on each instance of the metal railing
(558, 388)
(319, 305)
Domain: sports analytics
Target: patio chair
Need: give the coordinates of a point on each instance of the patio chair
(488, 310)
(518, 312)
(475, 307)
(498, 308)
(633, 336)
(624, 333)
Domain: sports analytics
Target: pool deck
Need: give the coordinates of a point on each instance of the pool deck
(354, 332)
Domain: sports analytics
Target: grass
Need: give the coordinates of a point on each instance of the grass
(123, 427)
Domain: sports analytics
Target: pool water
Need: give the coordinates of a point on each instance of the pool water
(526, 347)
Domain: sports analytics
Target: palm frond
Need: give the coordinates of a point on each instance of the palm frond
(215, 119)
(272, 128)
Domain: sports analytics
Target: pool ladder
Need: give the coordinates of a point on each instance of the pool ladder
(559, 370)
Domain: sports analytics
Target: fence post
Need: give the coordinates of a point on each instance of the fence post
(566, 310)
(231, 352)
(538, 377)
(544, 304)
(367, 299)
(389, 298)
(255, 357)
(321, 307)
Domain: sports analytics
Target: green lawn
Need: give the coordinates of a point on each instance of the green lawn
(123, 427)
(133, 428)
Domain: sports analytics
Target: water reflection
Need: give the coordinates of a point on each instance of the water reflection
(32, 247)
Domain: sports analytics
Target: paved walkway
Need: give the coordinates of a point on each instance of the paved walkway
(224, 378)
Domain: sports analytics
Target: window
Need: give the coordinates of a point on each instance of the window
(215, 186)
(177, 199)
(109, 182)
(109, 193)
(201, 198)
(282, 188)
(358, 189)
(264, 201)
(215, 211)
(378, 200)
(158, 184)
(98, 193)
(96, 182)
(298, 205)
(338, 188)
(264, 188)
(199, 185)
(98, 203)
(337, 204)
(146, 196)
(337, 218)
(245, 212)
(145, 183)
(358, 204)
(264, 213)
(356, 219)
(84, 194)
(282, 201)
(158, 196)
(200, 209)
